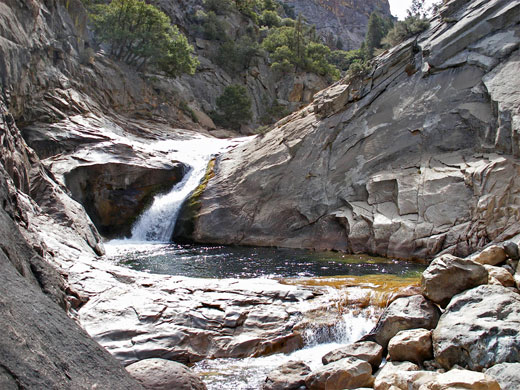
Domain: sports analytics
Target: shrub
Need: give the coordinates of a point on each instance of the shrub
(405, 29)
(270, 19)
(212, 28)
(220, 7)
(234, 107)
(140, 34)
(234, 57)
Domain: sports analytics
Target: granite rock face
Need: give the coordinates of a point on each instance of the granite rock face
(343, 22)
(369, 166)
(290, 376)
(40, 346)
(479, 329)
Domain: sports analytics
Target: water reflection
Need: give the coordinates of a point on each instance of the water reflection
(250, 262)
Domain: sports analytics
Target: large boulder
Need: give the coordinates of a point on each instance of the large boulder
(402, 314)
(162, 374)
(364, 350)
(347, 373)
(289, 376)
(479, 329)
(506, 374)
(448, 275)
(461, 379)
(414, 345)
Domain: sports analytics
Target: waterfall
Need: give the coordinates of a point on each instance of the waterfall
(157, 223)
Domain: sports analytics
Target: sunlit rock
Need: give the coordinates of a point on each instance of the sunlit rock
(414, 345)
(162, 374)
(449, 275)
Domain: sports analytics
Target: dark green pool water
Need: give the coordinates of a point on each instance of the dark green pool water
(250, 262)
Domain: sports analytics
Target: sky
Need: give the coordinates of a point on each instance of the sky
(399, 7)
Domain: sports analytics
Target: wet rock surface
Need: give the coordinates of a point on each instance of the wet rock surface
(479, 329)
(161, 374)
(115, 194)
(138, 316)
(370, 167)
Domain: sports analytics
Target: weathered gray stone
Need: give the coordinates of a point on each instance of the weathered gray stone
(347, 373)
(479, 329)
(364, 350)
(40, 346)
(449, 275)
(506, 374)
(414, 345)
(162, 374)
(461, 379)
(290, 376)
(402, 314)
(365, 170)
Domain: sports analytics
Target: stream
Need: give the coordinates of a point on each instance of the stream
(356, 287)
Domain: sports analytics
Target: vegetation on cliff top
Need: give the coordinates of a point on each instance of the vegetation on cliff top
(142, 35)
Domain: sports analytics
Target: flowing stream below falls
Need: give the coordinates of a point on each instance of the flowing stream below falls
(358, 287)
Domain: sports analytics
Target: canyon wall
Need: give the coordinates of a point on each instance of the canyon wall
(416, 157)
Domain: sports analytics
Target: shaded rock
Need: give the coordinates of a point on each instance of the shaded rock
(461, 379)
(115, 194)
(511, 249)
(449, 275)
(479, 329)
(347, 373)
(365, 350)
(492, 255)
(390, 375)
(414, 345)
(499, 275)
(40, 346)
(506, 374)
(289, 376)
(161, 374)
(402, 314)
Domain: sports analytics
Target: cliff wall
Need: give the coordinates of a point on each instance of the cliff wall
(416, 157)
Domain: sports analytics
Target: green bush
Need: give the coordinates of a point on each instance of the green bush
(234, 107)
(220, 7)
(141, 35)
(270, 19)
(405, 29)
(235, 57)
(212, 28)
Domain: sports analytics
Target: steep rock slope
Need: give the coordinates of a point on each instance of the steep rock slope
(416, 157)
(339, 20)
(40, 346)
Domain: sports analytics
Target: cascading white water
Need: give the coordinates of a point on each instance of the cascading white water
(158, 221)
